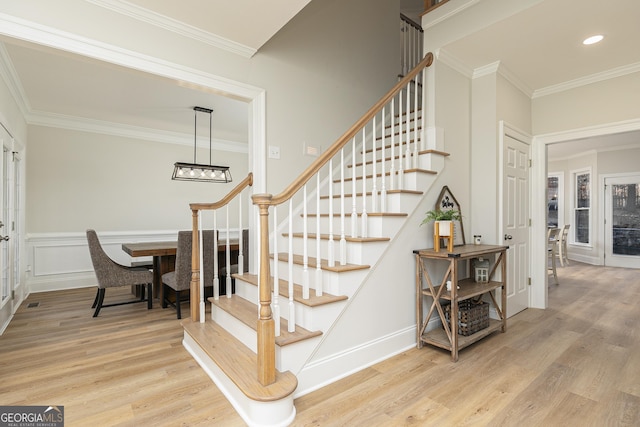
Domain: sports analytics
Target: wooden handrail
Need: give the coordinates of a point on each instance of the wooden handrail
(348, 135)
(247, 182)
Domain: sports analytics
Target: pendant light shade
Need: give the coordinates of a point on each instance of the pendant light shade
(200, 172)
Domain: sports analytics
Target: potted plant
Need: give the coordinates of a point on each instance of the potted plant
(443, 218)
(442, 226)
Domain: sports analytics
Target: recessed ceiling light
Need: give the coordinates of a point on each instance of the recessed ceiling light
(593, 39)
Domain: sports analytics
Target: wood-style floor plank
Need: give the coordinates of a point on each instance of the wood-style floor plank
(575, 364)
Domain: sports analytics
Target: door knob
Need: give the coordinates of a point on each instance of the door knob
(508, 237)
(4, 238)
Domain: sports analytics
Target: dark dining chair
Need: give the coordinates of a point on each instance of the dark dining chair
(234, 266)
(110, 274)
(179, 280)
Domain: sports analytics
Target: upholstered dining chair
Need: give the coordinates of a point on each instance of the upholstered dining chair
(179, 280)
(562, 245)
(552, 247)
(110, 274)
(234, 267)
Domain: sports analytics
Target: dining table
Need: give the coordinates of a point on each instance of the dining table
(164, 257)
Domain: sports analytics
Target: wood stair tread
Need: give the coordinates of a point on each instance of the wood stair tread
(382, 214)
(388, 158)
(238, 362)
(313, 301)
(247, 312)
(410, 170)
(324, 264)
(336, 238)
(368, 193)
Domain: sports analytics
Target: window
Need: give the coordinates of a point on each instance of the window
(582, 207)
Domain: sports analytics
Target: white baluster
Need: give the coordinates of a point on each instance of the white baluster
(318, 277)
(228, 257)
(354, 212)
(392, 168)
(374, 189)
(292, 308)
(400, 160)
(240, 242)
(305, 243)
(365, 231)
(216, 278)
(423, 116)
(201, 284)
(275, 304)
(331, 252)
(407, 153)
(415, 121)
(383, 192)
(343, 240)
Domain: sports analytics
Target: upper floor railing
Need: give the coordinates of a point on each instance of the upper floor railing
(411, 40)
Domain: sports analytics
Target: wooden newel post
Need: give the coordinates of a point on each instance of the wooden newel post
(195, 269)
(266, 325)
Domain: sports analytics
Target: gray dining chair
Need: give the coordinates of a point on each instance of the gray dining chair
(110, 274)
(552, 248)
(234, 267)
(179, 280)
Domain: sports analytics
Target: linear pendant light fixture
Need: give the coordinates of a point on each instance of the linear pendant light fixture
(198, 172)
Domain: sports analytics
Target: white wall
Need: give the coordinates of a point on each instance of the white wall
(610, 101)
(79, 180)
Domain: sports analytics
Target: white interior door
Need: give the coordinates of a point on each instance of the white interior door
(515, 222)
(622, 221)
(6, 294)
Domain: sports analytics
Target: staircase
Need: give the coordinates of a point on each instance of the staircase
(266, 344)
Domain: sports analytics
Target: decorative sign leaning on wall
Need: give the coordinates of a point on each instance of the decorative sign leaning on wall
(446, 201)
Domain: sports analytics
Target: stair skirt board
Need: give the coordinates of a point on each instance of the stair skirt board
(320, 373)
(256, 414)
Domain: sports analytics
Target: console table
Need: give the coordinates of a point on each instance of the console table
(447, 337)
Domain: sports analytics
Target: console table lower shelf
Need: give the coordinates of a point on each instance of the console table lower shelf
(438, 337)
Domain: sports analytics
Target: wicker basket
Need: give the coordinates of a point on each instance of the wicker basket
(472, 316)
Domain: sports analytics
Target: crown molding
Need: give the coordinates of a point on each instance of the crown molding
(452, 61)
(60, 121)
(587, 80)
(588, 132)
(10, 77)
(145, 15)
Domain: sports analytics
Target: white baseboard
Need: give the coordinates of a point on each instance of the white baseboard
(320, 373)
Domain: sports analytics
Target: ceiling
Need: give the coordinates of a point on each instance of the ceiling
(543, 49)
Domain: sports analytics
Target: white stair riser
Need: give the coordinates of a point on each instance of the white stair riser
(239, 330)
(395, 203)
(343, 283)
(356, 252)
(377, 226)
(311, 318)
(288, 358)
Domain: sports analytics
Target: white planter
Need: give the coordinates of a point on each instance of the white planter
(443, 228)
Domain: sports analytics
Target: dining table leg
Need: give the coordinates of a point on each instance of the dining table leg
(161, 265)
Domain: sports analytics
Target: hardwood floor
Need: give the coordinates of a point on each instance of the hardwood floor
(574, 364)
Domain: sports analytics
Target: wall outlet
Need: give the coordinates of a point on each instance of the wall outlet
(274, 152)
